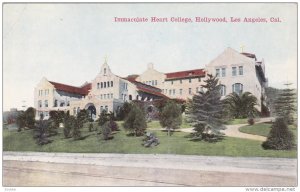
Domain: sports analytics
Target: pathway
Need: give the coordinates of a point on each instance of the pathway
(233, 130)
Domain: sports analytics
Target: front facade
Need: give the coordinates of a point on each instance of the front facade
(237, 72)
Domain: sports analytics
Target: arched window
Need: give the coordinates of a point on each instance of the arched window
(104, 84)
(111, 84)
(222, 90)
(101, 85)
(237, 88)
(107, 83)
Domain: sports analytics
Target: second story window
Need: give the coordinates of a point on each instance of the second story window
(223, 72)
(111, 84)
(233, 71)
(241, 71)
(98, 85)
(40, 103)
(217, 72)
(46, 103)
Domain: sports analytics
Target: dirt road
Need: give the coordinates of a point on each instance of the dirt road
(65, 169)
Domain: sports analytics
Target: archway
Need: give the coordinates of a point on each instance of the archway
(91, 109)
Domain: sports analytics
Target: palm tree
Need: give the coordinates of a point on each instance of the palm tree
(241, 105)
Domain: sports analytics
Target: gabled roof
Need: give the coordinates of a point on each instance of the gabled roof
(185, 74)
(144, 87)
(71, 89)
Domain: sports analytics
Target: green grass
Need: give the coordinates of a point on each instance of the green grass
(178, 143)
(263, 129)
(237, 121)
(156, 125)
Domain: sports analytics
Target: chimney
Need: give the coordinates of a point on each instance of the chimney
(150, 66)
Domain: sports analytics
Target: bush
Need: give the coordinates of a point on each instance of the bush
(106, 131)
(135, 122)
(170, 116)
(251, 121)
(280, 137)
(113, 126)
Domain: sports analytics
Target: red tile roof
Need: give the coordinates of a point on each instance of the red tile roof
(71, 89)
(146, 88)
(250, 55)
(185, 74)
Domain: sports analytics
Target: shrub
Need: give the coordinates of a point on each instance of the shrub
(280, 137)
(251, 121)
(171, 117)
(106, 131)
(135, 122)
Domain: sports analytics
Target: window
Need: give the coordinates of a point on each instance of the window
(222, 90)
(55, 103)
(46, 113)
(111, 95)
(40, 103)
(190, 80)
(130, 97)
(98, 85)
(241, 72)
(107, 96)
(62, 103)
(237, 88)
(107, 83)
(180, 91)
(104, 84)
(199, 79)
(41, 92)
(217, 72)
(111, 83)
(180, 81)
(106, 108)
(101, 85)
(190, 91)
(170, 92)
(201, 90)
(173, 91)
(101, 96)
(46, 103)
(233, 71)
(152, 82)
(104, 96)
(223, 72)
(155, 82)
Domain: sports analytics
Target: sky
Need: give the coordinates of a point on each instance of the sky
(67, 43)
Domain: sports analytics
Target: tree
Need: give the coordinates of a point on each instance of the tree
(106, 131)
(285, 105)
(124, 111)
(81, 118)
(41, 133)
(21, 121)
(171, 117)
(241, 105)
(69, 123)
(280, 137)
(205, 110)
(57, 117)
(135, 121)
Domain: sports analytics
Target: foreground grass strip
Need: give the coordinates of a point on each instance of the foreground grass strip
(178, 143)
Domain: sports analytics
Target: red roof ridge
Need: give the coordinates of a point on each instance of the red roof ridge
(72, 89)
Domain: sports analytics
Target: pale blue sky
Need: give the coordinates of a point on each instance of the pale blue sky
(67, 43)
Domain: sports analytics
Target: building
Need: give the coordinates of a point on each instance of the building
(237, 72)
(106, 92)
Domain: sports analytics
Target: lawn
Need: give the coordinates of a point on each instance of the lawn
(178, 143)
(237, 121)
(263, 129)
(155, 124)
